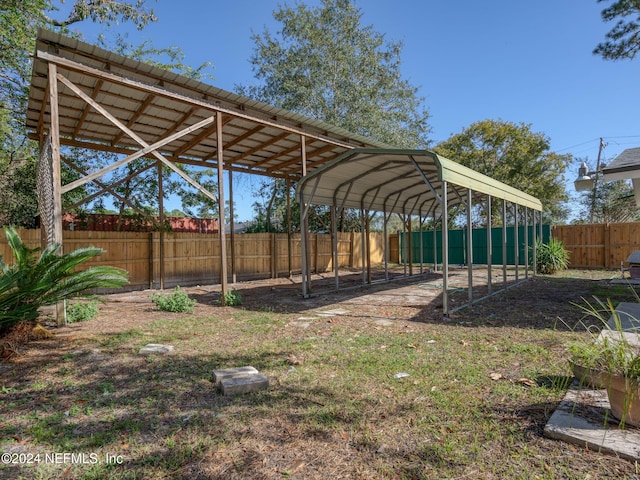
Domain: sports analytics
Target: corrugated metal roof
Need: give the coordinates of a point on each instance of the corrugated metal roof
(154, 103)
(401, 181)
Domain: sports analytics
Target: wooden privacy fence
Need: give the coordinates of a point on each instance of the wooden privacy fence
(603, 245)
(194, 258)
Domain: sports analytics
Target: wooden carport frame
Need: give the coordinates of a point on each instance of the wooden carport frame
(84, 96)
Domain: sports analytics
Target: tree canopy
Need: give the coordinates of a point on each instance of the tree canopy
(623, 40)
(513, 154)
(19, 22)
(325, 64)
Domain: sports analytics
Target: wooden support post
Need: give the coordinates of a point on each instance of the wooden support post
(54, 132)
(221, 221)
(274, 253)
(232, 229)
(151, 273)
(162, 236)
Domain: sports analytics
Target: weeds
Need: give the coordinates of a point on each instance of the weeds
(81, 312)
(176, 301)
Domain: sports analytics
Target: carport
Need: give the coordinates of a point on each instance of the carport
(411, 183)
(87, 97)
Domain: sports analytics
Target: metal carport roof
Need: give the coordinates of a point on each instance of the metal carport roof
(400, 181)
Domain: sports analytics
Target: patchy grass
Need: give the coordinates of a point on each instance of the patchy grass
(479, 391)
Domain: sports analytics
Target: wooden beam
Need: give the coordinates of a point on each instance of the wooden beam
(87, 108)
(259, 147)
(137, 85)
(134, 118)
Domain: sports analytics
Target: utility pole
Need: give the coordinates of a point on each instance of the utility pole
(595, 179)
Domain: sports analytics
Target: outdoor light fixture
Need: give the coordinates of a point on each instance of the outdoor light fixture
(584, 181)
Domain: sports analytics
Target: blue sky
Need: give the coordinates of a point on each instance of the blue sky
(517, 61)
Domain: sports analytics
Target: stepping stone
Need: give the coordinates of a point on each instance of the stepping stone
(244, 383)
(383, 323)
(302, 325)
(332, 313)
(153, 348)
(219, 375)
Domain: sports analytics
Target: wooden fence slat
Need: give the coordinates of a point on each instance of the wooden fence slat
(604, 245)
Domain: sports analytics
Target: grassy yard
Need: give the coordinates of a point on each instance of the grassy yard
(478, 393)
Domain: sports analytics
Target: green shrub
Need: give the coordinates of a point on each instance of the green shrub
(38, 278)
(232, 298)
(551, 257)
(176, 301)
(81, 312)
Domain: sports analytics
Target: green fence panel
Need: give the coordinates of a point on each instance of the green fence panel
(458, 245)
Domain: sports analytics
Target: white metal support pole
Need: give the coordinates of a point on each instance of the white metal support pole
(526, 242)
(421, 242)
(535, 246)
(386, 243)
(469, 247)
(504, 243)
(516, 240)
(334, 246)
(489, 247)
(363, 246)
(435, 242)
(445, 251)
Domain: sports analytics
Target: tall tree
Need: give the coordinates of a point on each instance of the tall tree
(513, 154)
(623, 40)
(324, 64)
(19, 22)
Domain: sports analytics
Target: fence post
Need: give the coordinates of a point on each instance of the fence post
(151, 260)
(607, 245)
(274, 252)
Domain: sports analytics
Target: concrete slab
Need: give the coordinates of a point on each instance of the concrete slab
(629, 315)
(383, 323)
(219, 375)
(583, 418)
(244, 383)
(333, 313)
(155, 348)
(302, 325)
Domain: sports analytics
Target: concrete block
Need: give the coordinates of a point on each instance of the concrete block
(219, 375)
(152, 348)
(244, 383)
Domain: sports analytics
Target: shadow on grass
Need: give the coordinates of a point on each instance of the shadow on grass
(543, 302)
(162, 414)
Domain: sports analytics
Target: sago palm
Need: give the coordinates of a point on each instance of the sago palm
(38, 278)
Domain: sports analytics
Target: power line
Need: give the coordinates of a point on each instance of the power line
(579, 144)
